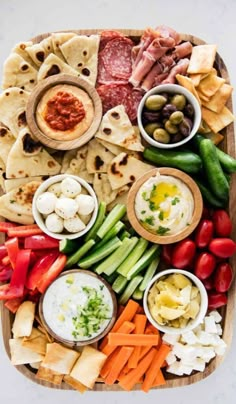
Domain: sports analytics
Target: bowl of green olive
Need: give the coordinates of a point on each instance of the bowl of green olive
(168, 116)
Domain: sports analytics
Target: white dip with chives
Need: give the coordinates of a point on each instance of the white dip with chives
(77, 307)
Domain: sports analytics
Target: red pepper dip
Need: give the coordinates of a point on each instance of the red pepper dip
(64, 111)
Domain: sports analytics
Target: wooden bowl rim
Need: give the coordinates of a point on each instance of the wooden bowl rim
(91, 340)
(198, 207)
(38, 92)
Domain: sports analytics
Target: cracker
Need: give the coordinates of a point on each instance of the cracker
(217, 122)
(202, 59)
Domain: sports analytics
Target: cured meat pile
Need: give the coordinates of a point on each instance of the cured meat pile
(126, 70)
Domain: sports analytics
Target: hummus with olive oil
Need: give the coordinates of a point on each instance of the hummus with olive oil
(164, 205)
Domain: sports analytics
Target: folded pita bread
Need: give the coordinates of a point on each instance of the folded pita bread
(16, 205)
(98, 157)
(103, 189)
(125, 169)
(17, 182)
(21, 355)
(68, 156)
(77, 165)
(58, 38)
(12, 109)
(20, 49)
(6, 142)
(28, 158)
(17, 72)
(24, 318)
(54, 65)
(114, 149)
(81, 53)
(39, 51)
(120, 199)
(60, 359)
(116, 128)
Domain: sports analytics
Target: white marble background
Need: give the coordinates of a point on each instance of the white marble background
(211, 20)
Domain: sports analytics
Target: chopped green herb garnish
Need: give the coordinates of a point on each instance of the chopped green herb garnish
(101, 287)
(12, 201)
(182, 214)
(161, 215)
(143, 212)
(149, 220)
(162, 230)
(144, 196)
(175, 200)
(187, 224)
(152, 206)
(69, 281)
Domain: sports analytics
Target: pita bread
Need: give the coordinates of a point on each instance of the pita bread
(2, 173)
(12, 109)
(68, 156)
(39, 51)
(21, 355)
(120, 199)
(88, 366)
(81, 53)
(219, 99)
(58, 38)
(24, 318)
(202, 59)
(74, 383)
(217, 122)
(18, 73)
(17, 182)
(98, 157)
(48, 375)
(16, 205)
(210, 84)
(103, 190)
(6, 142)
(125, 169)
(28, 158)
(54, 65)
(77, 165)
(37, 341)
(20, 49)
(59, 359)
(117, 149)
(116, 128)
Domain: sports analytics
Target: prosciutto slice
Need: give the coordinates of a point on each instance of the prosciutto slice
(180, 68)
(161, 67)
(167, 32)
(182, 50)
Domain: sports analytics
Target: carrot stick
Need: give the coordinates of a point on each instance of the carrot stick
(126, 328)
(128, 381)
(118, 364)
(127, 315)
(140, 323)
(151, 373)
(159, 379)
(150, 329)
(109, 363)
(118, 339)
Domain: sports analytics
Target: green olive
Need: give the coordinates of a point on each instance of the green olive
(176, 117)
(179, 101)
(171, 128)
(155, 102)
(150, 127)
(161, 135)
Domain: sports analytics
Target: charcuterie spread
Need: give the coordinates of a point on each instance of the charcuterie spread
(116, 259)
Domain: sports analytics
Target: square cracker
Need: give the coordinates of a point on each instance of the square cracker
(219, 99)
(188, 84)
(49, 376)
(217, 122)
(59, 358)
(210, 84)
(75, 384)
(202, 59)
(24, 318)
(21, 355)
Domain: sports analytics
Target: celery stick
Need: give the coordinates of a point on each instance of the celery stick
(74, 258)
(124, 234)
(98, 222)
(138, 294)
(114, 260)
(150, 272)
(133, 284)
(110, 234)
(101, 253)
(112, 218)
(133, 257)
(119, 284)
(143, 262)
(110, 279)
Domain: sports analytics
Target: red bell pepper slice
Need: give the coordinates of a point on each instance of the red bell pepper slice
(24, 231)
(3, 251)
(5, 226)
(18, 279)
(52, 273)
(12, 247)
(41, 241)
(6, 260)
(41, 266)
(5, 273)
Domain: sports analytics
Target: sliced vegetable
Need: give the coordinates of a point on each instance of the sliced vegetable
(119, 362)
(12, 246)
(150, 271)
(40, 268)
(24, 231)
(5, 226)
(155, 367)
(40, 241)
(126, 328)
(3, 251)
(100, 254)
(52, 273)
(81, 252)
(109, 363)
(140, 321)
(68, 246)
(98, 222)
(110, 234)
(124, 234)
(144, 261)
(129, 290)
(133, 257)
(5, 273)
(138, 294)
(120, 339)
(119, 284)
(113, 217)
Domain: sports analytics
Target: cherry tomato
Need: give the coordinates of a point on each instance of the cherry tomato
(222, 247)
(222, 223)
(208, 283)
(216, 300)
(204, 233)
(167, 250)
(223, 277)
(204, 265)
(183, 254)
(206, 213)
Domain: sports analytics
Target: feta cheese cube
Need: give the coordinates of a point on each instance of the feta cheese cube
(171, 338)
(187, 352)
(219, 329)
(175, 369)
(216, 315)
(185, 369)
(204, 338)
(210, 325)
(197, 364)
(208, 353)
(171, 358)
(189, 337)
(221, 348)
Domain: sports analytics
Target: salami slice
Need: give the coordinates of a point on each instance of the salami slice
(107, 36)
(117, 58)
(116, 94)
(104, 76)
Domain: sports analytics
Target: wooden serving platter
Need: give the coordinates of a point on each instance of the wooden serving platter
(227, 312)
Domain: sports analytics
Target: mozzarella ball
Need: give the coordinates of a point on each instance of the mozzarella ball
(46, 203)
(54, 223)
(74, 225)
(86, 204)
(70, 187)
(66, 208)
(55, 189)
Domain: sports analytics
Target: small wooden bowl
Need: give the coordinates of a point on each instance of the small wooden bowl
(38, 93)
(72, 343)
(198, 206)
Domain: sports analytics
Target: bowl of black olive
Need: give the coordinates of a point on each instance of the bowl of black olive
(168, 116)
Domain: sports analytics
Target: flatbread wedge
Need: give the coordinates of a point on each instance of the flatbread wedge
(17, 72)
(39, 51)
(54, 65)
(6, 142)
(20, 49)
(21, 355)
(59, 358)
(24, 318)
(13, 108)
(17, 182)
(28, 158)
(58, 38)
(103, 189)
(98, 157)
